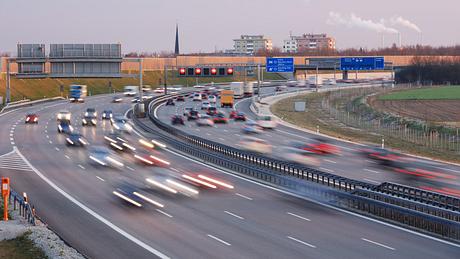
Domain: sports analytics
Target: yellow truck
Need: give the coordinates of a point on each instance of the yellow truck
(226, 98)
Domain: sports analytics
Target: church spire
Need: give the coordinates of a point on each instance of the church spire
(176, 49)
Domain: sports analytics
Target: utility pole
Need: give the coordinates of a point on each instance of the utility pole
(258, 82)
(317, 74)
(165, 80)
(8, 94)
(140, 80)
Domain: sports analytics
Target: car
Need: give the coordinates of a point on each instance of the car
(205, 120)
(149, 158)
(240, 116)
(204, 97)
(76, 140)
(193, 115)
(120, 123)
(205, 105)
(267, 121)
(212, 111)
(280, 88)
(91, 112)
(299, 156)
(116, 142)
(107, 114)
(102, 156)
(212, 98)
(180, 99)
(177, 119)
(220, 118)
(130, 195)
(170, 102)
(89, 120)
(256, 145)
(382, 156)
(168, 181)
(63, 115)
(65, 127)
(31, 118)
(187, 110)
(320, 146)
(135, 100)
(291, 83)
(198, 86)
(196, 97)
(232, 114)
(117, 99)
(251, 127)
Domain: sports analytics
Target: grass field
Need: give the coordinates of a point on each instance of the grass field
(39, 88)
(438, 93)
(20, 248)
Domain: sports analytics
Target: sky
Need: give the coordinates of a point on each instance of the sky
(208, 25)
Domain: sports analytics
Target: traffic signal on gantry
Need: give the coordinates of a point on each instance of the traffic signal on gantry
(205, 71)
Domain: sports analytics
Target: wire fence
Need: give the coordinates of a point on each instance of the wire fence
(350, 108)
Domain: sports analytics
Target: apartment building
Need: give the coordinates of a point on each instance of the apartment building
(308, 42)
(251, 44)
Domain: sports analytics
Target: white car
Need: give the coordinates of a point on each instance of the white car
(63, 115)
(267, 121)
(212, 99)
(205, 120)
(291, 83)
(198, 86)
(256, 145)
(205, 105)
(197, 97)
(120, 123)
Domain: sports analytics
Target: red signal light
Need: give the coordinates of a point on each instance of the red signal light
(229, 71)
(182, 71)
(197, 71)
(213, 71)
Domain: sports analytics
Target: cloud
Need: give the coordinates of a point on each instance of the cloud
(405, 23)
(353, 21)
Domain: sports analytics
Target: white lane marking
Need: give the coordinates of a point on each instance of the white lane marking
(164, 213)
(47, 136)
(219, 240)
(302, 242)
(12, 142)
(11, 139)
(327, 170)
(222, 139)
(100, 178)
(209, 134)
(82, 167)
(225, 130)
(297, 216)
(372, 171)
(234, 215)
(238, 135)
(130, 168)
(371, 181)
(91, 212)
(330, 161)
(51, 142)
(379, 244)
(66, 156)
(311, 200)
(244, 196)
(57, 149)
(11, 134)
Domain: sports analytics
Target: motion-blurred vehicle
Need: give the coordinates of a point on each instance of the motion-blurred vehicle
(205, 105)
(193, 115)
(291, 83)
(63, 115)
(149, 158)
(212, 111)
(251, 127)
(117, 99)
(131, 90)
(212, 99)
(232, 114)
(170, 102)
(220, 118)
(197, 97)
(116, 142)
(299, 156)
(89, 120)
(65, 127)
(102, 156)
(180, 99)
(302, 83)
(120, 123)
(319, 146)
(205, 120)
(76, 140)
(177, 119)
(382, 156)
(240, 116)
(107, 114)
(91, 112)
(135, 100)
(77, 93)
(280, 88)
(256, 145)
(198, 86)
(31, 118)
(187, 110)
(167, 181)
(267, 121)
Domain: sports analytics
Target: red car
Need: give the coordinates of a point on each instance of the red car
(321, 147)
(240, 116)
(220, 118)
(180, 99)
(232, 114)
(31, 118)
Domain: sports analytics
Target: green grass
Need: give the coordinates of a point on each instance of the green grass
(438, 93)
(20, 248)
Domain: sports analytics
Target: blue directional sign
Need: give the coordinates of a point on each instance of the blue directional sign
(280, 65)
(362, 63)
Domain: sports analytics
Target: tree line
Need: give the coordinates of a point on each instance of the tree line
(431, 70)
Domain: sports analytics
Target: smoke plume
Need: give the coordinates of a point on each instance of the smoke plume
(405, 23)
(356, 21)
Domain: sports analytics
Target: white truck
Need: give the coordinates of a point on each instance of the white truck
(131, 90)
(248, 88)
(238, 89)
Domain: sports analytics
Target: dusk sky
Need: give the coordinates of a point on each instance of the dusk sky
(206, 25)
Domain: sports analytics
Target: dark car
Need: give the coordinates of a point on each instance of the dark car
(212, 111)
(177, 119)
(240, 116)
(193, 115)
(220, 118)
(65, 127)
(89, 120)
(170, 102)
(204, 97)
(180, 99)
(76, 140)
(31, 118)
(107, 114)
(90, 112)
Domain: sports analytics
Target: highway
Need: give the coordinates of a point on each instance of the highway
(250, 221)
(349, 163)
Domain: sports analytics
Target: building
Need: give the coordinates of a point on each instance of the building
(308, 42)
(251, 44)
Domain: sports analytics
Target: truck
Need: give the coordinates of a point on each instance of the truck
(226, 98)
(238, 89)
(248, 89)
(131, 90)
(77, 93)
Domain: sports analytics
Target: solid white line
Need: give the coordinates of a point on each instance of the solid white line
(91, 212)
(243, 196)
(82, 167)
(375, 243)
(302, 242)
(327, 170)
(100, 178)
(330, 161)
(234, 215)
(297, 216)
(371, 181)
(164, 213)
(220, 240)
(372, 171)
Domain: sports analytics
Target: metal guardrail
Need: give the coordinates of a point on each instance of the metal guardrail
(25, 209)
(402, 207)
